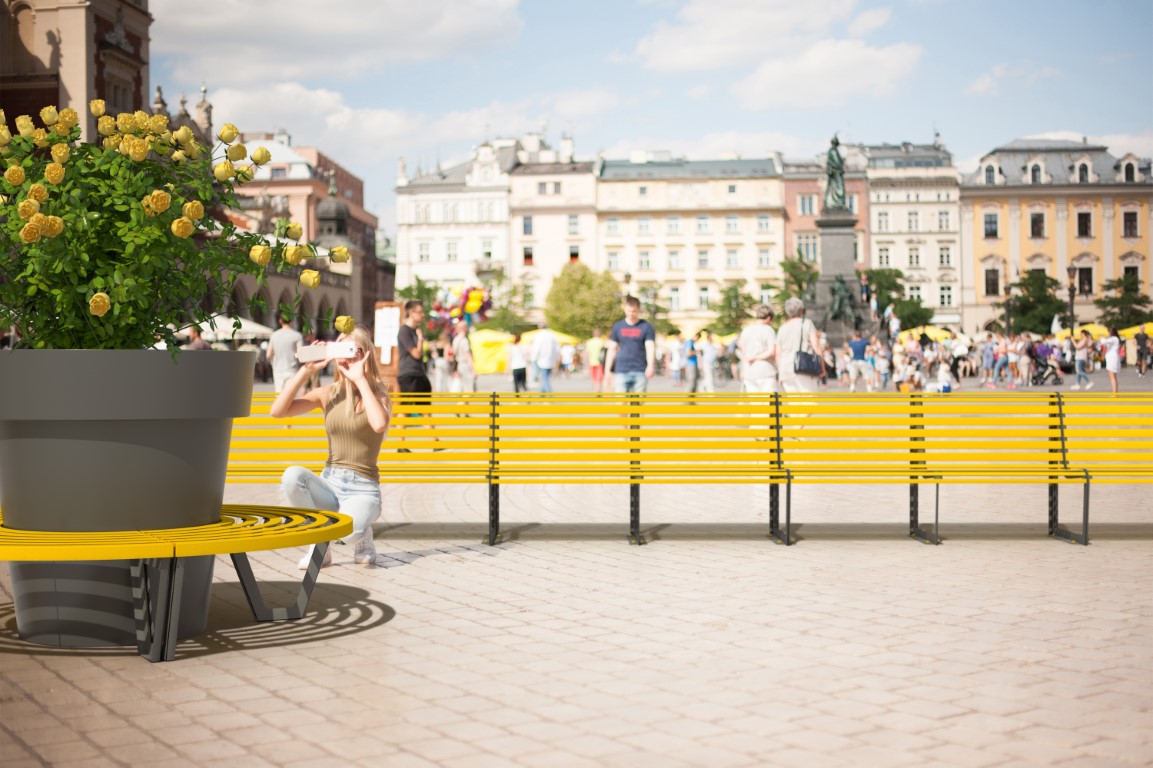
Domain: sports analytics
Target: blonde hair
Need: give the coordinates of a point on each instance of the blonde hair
(363, 340)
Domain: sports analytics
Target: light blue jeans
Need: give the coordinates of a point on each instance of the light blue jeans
(630, 381)
(338, 490)
(545, 376)
(1080, 364)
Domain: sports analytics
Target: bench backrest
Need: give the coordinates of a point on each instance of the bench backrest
(1110, 435)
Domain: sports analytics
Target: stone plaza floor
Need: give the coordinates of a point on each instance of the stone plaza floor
(710, 646)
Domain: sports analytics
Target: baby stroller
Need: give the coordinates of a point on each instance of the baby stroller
(1045, 372)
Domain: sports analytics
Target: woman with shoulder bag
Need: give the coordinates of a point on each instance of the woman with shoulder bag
(799, 364)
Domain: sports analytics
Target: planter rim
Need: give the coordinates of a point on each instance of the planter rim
(55, 384)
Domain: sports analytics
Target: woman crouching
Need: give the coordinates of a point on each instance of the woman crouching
(357, 411)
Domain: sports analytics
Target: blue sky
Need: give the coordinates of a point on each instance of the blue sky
(368, 83)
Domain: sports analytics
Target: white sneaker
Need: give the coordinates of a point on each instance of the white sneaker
(1076, 386)
(365, 551)
(1088, 386)
(303, 564)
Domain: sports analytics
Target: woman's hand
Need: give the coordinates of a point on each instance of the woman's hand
(354, 368)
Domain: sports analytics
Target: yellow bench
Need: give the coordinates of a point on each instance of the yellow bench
(242, 529)
(1111, 436)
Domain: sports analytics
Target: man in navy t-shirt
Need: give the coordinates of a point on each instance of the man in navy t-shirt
(859, 367)
(632, 350)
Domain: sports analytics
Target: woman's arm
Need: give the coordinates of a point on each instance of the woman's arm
(287, 404)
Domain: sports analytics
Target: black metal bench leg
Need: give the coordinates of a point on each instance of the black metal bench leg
(774, 508)
(1058, 531)
(142, 607)
(915, 529)
(635, 536)
(494, 535)
(777, 534)
(156, 639)
(260, 610)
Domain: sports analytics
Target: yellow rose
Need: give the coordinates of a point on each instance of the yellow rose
(40, 137)
(125, 123)
(179, 157)
(293, 231)
(61, 130)
(237, 152)
(344, 324)
(160, 200)
(339, 254)
(40, 220)
(146, 203)
(229, 133)
(54, 227)
(182, 227)
(183, 134)
(158, 123)
(194, 210)
(5, 135)
(142, 117)
(14, 175)
(61, 153)
(246, 173)
(99, 304)
(260, 254)
(28, 208)
(261, 156)
(310, 278)
(49, 116)
(69, 117)
(223, 171)
(294, 254)
(111, 142)
(24, 126)
(106, 126)
(30, 233)
(194, 150)
(54, 172)
(38, 192)
(139, 151)
(96, 107)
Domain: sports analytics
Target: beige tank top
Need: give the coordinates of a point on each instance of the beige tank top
(352, 442)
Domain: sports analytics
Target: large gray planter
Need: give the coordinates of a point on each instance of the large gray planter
(112, 440)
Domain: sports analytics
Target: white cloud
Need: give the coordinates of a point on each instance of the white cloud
(869, 21)
(989, 83)
(827, 74)
(748, 144)
(250, 42)
(699, 92)
(714, 34)
(986, 84)
(1034, 76)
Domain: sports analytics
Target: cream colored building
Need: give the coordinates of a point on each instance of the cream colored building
(1048, 205)
(915, 223)
(684, 230)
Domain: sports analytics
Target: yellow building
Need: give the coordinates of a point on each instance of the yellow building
(1069, 209)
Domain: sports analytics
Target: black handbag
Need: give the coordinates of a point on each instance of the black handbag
(807, 363)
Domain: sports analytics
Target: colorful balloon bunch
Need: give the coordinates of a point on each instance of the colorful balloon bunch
(468, 304)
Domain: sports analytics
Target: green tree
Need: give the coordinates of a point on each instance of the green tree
(733, 310)
(888, 285)
(1127, 306)
(652, 310)
(580, 300)
(1034, 303)
(913, 314)
(799, 279)
(425, 292)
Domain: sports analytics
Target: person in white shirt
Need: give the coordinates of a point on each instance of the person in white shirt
(518, 365)
(544, 353)
(757, 345)
(282, 346)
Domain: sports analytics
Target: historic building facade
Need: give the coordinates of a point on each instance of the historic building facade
(1048, 205)
(680, 231)
(914, 223)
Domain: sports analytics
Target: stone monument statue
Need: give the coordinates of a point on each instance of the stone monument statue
(835, 172)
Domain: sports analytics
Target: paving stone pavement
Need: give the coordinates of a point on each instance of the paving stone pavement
(710, 646)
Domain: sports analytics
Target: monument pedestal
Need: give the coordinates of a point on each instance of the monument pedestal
(838, 249)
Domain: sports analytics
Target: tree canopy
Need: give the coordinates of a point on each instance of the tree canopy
(581, 300)
(1123, 305)
(1034, 303)
(733, 310)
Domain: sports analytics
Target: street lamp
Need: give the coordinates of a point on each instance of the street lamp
(1072, 272)
(1008, 305)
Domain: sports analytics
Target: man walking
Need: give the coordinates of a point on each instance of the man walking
(411, 375)
(544, 353)
(632, 349)
(707, 360)
(858, 364)
(282, 346)
(1141, 339)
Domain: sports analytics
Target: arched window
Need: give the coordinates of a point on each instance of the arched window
(1035, 174)
(1130, 176)
(989, 177)
(1083, 174)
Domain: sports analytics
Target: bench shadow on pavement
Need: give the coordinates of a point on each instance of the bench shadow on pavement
(335, 611)
(813, 532)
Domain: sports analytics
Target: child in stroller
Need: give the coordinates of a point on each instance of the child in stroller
(1046, 371)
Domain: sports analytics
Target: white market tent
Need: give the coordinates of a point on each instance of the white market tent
(225, 331)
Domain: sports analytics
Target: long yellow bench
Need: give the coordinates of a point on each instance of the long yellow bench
(242, 529)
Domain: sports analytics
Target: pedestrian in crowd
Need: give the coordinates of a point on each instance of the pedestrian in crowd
(1080, 358)
(707, 361)
(988, 358)
(757, 346)
(195, 342)
(1025, 359)
(1001, 363)
(692, 363)
(859, 369)
(544, 354)
(441, 367)
(567, 358)
(1112, 347)
(357, 412)
(1144, 351)
(412, 375)
(518, 364)
(462, 356)
(596, 352)
(282, 346)
(632, 347)
(676, 358)
(796, 334)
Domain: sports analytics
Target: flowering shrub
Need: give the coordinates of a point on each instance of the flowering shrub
(117, 245)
